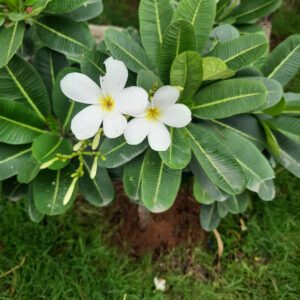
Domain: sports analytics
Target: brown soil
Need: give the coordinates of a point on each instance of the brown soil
(178, 226)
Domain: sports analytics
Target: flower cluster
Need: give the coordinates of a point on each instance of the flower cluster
(109, 104)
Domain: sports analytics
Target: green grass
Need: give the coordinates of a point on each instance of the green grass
(67, 258)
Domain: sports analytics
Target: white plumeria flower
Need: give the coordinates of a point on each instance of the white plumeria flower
(108, 104)
(161, 111)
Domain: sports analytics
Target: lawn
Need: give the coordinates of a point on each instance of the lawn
(69, 257)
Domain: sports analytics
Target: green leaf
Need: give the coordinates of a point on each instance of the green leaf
(205, 191)
(155, 17)
(10, 41)
(13, 190)
(63, 108)
(178, 155)
(256, 167)
(34, 215)
(179, 37)
(201, 14)
(284, 62)
(288, 126)
(60, 7)
(18, 124)
(49, 190)
(98, 191)
(216, 160)
(187, 72)
(47, 146)
(64, 36)
(277, 109)
(92, 64)
(241, 52)
(28, 170)
(11, 158)
(272, 144)
(229, 97)
(132, 178)
(160, 184)
(49, 63)
(274, 91)
(252, 10)
(91, 9)
(292, 103)
(215, 68)
(209, 217)
(225, 32)
(21, 81)
(237, 204)
(123, 47)
(289, 154)
(247, 126)
(148, 80)
(117, 152)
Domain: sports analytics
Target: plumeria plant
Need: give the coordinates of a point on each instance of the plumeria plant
(195, 94)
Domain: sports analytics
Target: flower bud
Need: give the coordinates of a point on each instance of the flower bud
(70, 191)
(94, 168)
(48, 163)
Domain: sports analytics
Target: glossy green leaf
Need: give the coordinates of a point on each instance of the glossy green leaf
(18, 124)
(252, 10)
(10, 41)
(205, 191)
(92, 64)
(216, 160)
(148, 80)
(98, 191)
(215, 68)
(117, 152)
(187, 72)
(155, 16)
(256, 167)
(229, 97)
(209, 217)
(34, 215)
(21, 81)
(123, 47)
(284, 62)
(225, 32)
(11, 158)
(237, 204)
(47, 146)
(179, 37)
(49, 63)
(288, 126)
(292, 104)
(91, 9)
(201, 14)
(28, 169)
(64, 36)
(60, 7)
(49, 190)
(132, 178)
(289, 154)
(241, 52)
(178, 155)
(247, 126)
(160, 184)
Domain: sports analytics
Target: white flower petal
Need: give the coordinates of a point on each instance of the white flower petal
(159, 137)
(80, 88)
(165, 96)
(114, 125)
(177, 115)
(137, 130)
(132, 101)
(87, 122)
(116, 77)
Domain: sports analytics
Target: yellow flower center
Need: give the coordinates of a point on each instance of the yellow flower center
(153, 114)
(107, 103)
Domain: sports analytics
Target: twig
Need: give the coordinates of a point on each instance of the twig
(14, 268)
